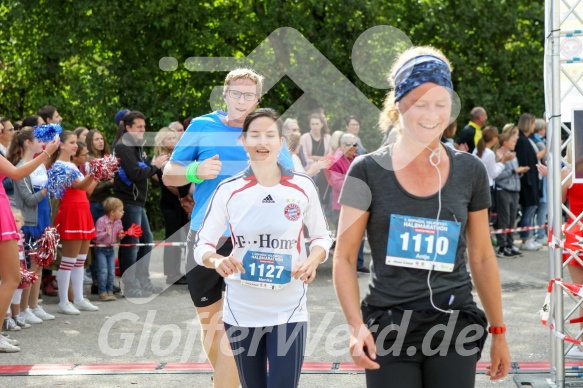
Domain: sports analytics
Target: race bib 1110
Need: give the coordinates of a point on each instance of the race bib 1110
(422, 243)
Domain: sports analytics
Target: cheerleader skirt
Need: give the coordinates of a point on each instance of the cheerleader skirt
(74, 220)
(8, 229)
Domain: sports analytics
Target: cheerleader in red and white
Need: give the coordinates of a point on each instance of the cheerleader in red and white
(9, 258)
(76, 228)
(574, 193)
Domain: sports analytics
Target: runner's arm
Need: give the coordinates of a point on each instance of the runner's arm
(351, 228)
(484, 269)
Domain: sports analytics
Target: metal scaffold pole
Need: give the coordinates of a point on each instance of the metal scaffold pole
(563, 85)
(553, 93)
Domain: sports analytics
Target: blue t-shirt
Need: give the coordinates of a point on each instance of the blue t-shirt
(206, 137)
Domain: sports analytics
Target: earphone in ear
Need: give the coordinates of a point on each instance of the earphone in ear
(436, 153)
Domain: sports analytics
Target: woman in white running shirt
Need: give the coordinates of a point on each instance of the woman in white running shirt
(265, 208)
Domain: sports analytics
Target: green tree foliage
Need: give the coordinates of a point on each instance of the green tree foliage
(91, 59)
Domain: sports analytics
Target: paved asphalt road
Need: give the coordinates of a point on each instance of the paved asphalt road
(164, 330)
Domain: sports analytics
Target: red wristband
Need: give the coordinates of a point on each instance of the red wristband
(497, 330)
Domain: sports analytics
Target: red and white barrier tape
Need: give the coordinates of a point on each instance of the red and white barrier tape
(521, 229)
(154, 244)
(545, 311)
(183, 244)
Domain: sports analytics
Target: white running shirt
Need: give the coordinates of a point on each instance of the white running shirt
(267, 225)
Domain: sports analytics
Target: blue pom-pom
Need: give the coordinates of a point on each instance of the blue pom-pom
(47, 132)
(61, 177)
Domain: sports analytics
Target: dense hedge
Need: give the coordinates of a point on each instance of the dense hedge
(91, 60)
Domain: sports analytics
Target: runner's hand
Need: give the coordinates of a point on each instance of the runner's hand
(362, 347)
(500, 357)
(305, 271)
(228, 266)
(209, 168)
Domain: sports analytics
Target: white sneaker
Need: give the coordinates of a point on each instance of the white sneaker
(530, 245)
(68, 308)
(575, 353)
(10, 325)
(42, 314)
(544, 241)
(6, 347)
(85, 305)
(87, 279)
(29, 317)
(11, 341)
(536, 243)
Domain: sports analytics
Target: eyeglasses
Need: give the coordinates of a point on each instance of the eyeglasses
(237, 95)
(351, 144)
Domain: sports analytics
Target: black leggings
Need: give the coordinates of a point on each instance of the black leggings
(283, 346)
(421, 347)
(419, 371)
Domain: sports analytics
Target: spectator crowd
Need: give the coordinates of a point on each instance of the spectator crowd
(102, 212)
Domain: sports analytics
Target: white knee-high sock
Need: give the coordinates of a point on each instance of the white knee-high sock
(77, 275)
(17, 296)
(64, 277)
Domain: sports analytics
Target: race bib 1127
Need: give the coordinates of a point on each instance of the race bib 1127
(266, 270)
(422, 243)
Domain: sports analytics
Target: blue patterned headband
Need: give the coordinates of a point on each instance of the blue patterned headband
(420, 70)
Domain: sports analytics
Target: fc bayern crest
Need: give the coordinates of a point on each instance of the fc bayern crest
(292, 212)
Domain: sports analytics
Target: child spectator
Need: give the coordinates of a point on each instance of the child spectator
(108, 230)
(507, 192)
(14, 320)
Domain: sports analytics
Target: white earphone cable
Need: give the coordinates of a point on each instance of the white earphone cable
(436, 153)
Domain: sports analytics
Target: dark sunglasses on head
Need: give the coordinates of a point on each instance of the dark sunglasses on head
(351, 144)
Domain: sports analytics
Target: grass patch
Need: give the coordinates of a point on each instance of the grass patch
(159, 235)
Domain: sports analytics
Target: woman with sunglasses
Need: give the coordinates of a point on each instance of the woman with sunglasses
(343, 158)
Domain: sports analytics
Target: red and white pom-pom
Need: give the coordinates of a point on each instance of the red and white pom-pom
(27, 277)
(103, 169)
(46, 247)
